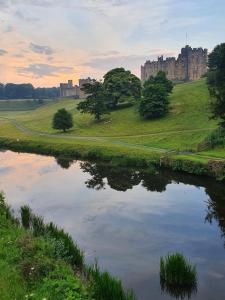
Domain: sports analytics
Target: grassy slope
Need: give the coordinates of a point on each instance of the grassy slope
(30, 270)
(183, 129)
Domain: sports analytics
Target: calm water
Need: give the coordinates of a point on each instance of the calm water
(127, 219)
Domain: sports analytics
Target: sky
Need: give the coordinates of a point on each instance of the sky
(46, 42)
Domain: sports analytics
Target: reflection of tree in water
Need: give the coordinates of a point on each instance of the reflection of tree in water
(119, 179)
(216, 208)
(64, 162)
(178, 292)
(122, 179)
(155, 182)
(97, 173)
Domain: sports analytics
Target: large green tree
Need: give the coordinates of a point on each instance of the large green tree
(62, 120)
(161, 79)
(95, 103)
(216, 83)
(120, 86)
(155, 101)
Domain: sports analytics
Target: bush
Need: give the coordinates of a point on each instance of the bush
(176, 271)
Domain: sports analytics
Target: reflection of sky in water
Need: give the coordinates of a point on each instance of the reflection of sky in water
(127, 231)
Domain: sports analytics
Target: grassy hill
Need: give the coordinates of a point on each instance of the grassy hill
(122, 132)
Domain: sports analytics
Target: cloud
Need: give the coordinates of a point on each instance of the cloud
(42, 70)
(8, 29)
(27, 18)
(126, 61)
(41, 49)
(3, 52)
(106, 53)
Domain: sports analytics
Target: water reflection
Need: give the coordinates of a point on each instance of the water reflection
(178, 292)
(127, 218)
(123, 179)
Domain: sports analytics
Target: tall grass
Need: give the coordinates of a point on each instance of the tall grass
(106, 287)
(65, 247)
(175, 270)
(26, 216)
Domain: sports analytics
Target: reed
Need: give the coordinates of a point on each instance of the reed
(26, 216)
(175, 270)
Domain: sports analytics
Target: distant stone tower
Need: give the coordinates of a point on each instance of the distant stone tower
(191, 64)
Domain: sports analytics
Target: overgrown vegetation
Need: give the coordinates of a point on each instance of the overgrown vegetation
(40, 261)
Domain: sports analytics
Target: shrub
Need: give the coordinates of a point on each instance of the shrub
(176, 271)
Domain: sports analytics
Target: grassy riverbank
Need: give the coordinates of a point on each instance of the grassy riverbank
(123, 137)
(42, 262)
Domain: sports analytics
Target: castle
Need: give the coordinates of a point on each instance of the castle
(70, 90)
(191, 64)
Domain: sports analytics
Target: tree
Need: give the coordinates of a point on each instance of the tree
(216, 83)
(1, 91)
(95, 103)
(62, 120)
(161, 79)
(121, 85)
(155, 102)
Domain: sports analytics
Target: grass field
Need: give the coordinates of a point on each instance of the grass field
(123, 131)
(21, 105)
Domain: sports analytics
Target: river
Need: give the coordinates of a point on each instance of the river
(126, 218)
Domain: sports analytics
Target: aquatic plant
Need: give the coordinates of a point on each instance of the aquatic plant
(26, 216)
(176, 271)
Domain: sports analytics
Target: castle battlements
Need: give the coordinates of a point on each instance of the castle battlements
(191, 64)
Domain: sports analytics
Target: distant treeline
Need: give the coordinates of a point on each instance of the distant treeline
(26, 91)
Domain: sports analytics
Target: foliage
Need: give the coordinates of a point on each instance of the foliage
(160, 78)
(62, 120)
(175, 270)
(95, 104)
(121, 85)
(216, 83)
(155, 102)
(26, 91)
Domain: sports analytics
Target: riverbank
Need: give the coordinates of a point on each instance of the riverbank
(120, 156)
(123, 138)
(40, 261)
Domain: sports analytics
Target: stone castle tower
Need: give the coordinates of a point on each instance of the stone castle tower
(191, 64)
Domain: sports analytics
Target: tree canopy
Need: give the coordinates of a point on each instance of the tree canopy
(26, 91)
(62, 120)
(120, 86)
(95, 103)
(155, 101)
(161, 79)
(216, 82)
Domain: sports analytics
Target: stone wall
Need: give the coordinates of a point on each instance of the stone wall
(191, 64)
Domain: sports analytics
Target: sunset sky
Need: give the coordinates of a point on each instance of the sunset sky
(46, 42)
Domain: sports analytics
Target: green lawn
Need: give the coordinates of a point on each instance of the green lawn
(186, 125)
